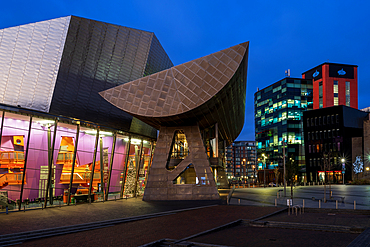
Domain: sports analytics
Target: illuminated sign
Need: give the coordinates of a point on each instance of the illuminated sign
(316, 73)
(341, 72)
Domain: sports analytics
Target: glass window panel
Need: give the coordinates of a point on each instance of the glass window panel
(65, 141)
(13, 142)
(42, 132)
(132, 166)
(117, 177)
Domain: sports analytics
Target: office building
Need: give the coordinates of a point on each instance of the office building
(328, 134)
(278, 116)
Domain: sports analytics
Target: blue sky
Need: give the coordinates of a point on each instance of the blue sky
(295, 35)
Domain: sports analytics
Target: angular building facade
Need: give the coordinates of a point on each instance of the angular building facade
(198, 108)
(60, 140)
(59, 66)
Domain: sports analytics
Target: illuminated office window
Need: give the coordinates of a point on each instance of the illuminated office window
(335, 89)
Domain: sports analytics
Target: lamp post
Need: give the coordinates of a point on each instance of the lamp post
(284, 167)
(245, 170)
(264, 170)
(343, 168)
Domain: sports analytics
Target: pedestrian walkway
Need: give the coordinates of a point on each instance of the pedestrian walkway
(30, 220)
(343, 196)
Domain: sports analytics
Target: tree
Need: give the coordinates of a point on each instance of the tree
(291, 170)
(277, 174)
(358, 166)
(326, 165)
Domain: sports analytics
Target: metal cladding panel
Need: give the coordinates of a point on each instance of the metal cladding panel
(29, 61)
(98, 56)
(158, 59)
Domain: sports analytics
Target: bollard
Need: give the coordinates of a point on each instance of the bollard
(239, 201)
(303, 206)
(6, 210)
(336, 204)
(275, 202)
(354, 205)
(319, 203)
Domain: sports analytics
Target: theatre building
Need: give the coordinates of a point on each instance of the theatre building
(71, 134)
(61, 142)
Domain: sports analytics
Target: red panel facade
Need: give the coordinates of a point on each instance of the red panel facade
(327, 75)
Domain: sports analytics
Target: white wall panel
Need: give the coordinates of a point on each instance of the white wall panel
(29, 61)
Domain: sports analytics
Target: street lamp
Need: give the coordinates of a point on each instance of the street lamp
(245, 169)
(264, 170)
(343, 168)
(254, 174)
(284, 166)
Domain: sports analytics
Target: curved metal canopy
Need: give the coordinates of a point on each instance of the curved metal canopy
(206, 90)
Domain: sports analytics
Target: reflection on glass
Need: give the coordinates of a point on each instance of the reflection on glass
(131, 171)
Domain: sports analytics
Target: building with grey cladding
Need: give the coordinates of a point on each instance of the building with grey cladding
(58, 66)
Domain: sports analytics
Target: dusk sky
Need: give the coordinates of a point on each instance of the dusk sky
(295, 35)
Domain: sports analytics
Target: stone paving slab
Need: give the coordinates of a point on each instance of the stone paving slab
(256, 237)
(175, 226)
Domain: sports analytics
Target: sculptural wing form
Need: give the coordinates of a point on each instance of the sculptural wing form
(186, 91)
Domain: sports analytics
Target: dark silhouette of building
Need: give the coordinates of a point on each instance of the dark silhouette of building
(329, 131)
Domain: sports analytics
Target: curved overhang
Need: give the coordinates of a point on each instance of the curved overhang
(204, 91)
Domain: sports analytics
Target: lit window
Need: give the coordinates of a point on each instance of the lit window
(335, 89)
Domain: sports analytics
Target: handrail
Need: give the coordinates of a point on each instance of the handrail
(12, 159)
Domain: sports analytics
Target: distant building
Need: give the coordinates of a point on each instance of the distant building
(329, 131)
(278, 112)
(333, 84)
(241, 161)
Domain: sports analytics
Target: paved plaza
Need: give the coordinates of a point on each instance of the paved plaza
(260, 222)
(346, 195)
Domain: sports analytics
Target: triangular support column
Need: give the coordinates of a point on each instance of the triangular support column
(160, 184)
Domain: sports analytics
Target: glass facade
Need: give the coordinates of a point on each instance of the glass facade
(65, 161)
(278, 116)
